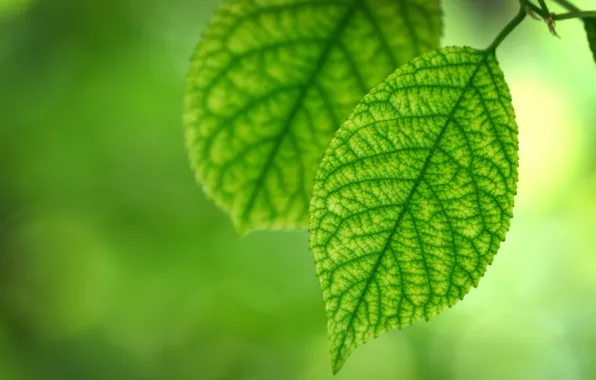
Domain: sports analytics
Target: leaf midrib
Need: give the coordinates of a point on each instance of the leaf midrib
(405, 9)
(467, 87)
(343, 23)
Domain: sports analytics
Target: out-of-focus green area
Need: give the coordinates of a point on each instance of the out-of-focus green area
(113, 265)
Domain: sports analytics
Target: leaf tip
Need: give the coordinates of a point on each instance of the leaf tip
(339, 351)
(241, 230)
(337, 362)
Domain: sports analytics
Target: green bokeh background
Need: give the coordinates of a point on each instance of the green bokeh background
(113, 265)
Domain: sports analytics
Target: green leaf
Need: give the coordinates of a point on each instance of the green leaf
(590, 24)
(414, 195)
(272, 81)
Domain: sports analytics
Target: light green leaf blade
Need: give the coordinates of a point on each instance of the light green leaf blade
(272, 81)
(414, 195)
(590, 24)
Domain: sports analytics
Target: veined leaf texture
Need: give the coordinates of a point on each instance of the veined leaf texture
(414, 195)
(270, 83)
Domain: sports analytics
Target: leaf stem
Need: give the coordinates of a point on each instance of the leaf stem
(514, 23)
(544, 7)
(574, 11)
(574, 14)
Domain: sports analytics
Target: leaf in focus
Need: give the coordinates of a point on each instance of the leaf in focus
(414, 195)
(590, 25)
(271, 82)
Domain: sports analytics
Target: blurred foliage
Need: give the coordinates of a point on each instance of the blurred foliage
(114, 266)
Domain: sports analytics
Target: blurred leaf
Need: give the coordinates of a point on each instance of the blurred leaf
(414, 195)
(272, 81)
(13, 7)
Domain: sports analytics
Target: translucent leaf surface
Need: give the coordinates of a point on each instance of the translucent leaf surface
(590, 24)
(414, 195)
(272, 81)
